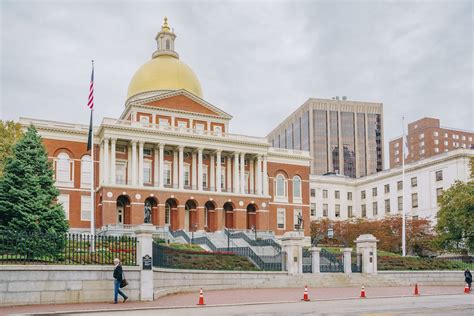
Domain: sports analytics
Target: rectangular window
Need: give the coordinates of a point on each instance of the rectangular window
(313, 192)
(349, 211)
(218, 129)
(439, 193)
(296, 214)
(85, 207)
(163, 122)
(363, 210)
(400, 185)
(445, 143)
(435, 134)
(325, 194)
(325, 210)
(414, 200)
(375, 208)
(400, 203)
(120, 172)
(281, 218)
(422, 135)
(145, 120)
(147, 152)
(349, 196)
(199, 127)
(86, 172)
(436, 142)
(387, 206)
(386, 188)
(204, 176)
(362, 195)
(439, 175)
(436, 150)
(313, 209)
(182, 124)
(338, 210)
(187, 171)
(414, 182)
(337, 194)
(374, 191)
(147, 171)
(167, 173)
(120, 149)
(64, 200)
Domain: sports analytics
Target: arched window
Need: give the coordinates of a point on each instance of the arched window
(297, 187)
(167, 213)
(280, 186)
(168, 44)
(86, 171)
(64, 169)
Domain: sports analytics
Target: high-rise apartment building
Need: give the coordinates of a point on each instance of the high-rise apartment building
(427, 138)
(342, 136)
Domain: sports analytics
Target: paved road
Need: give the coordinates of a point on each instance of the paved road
(424, 305)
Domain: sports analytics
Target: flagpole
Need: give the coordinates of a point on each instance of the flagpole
(92, 171)
(403, 192)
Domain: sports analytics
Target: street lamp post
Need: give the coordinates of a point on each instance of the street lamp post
(330, 235)
(254, 229)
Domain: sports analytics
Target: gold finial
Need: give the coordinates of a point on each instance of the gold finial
(165, 26)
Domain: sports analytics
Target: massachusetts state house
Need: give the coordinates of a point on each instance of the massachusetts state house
(170, 160)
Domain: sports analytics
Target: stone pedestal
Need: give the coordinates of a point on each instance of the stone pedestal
(292, 244)
(315, 259)
(347, 260)
(367, 247)
(144, 235)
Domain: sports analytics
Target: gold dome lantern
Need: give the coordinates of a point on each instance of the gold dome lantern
(164, 72)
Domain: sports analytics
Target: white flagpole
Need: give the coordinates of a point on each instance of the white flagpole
(92, 175)
(403, 191)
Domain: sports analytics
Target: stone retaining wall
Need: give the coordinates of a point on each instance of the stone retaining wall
(54, 284)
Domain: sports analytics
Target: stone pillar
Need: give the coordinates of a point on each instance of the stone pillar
(259, 175)
(106, 161)
(347, 260)
(229, 174)
(181, 167)
(265, 176)
(156, 168)
(199, 178)
(212, 173)
(181, 215)
(218, 171)
(161, 215)
(161, 166)
(219, 216)
(134, 162)
(200, 218)
(292, 244)
(251, 177)
(175, 169)
(144, 234)
(194, 171)
(140, 163)
(315, 259)
(242, 173)
(112, 160)
(367, 247)
(236, 185)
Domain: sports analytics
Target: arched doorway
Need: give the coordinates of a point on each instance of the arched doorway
(150, 212)
(229, 215)
(171, 213)
(251, 216)
(190, 216)
(123, 210)
(210, 216)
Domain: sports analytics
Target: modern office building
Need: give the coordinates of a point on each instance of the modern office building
(343, 137)
(426, 138)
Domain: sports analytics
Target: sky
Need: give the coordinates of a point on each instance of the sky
(256, 60)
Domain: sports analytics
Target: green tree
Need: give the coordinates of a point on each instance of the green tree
(29, 215)
(455, 225)
(10, 133)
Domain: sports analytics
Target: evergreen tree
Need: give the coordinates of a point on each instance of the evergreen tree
(30, 218)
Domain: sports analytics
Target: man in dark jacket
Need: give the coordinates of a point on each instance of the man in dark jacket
(468, 278)
(118, 276)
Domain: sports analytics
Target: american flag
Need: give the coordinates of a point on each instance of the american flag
(90, 103)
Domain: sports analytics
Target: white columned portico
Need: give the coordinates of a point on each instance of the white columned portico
(218, 171)
(140, 163)
(175, 169)
(251, 177)
(112, 160)
(106, 161)
(212, 172)
(242, 173)
(194, 171)
(265, 176)
(161, 166)
(181, 167)
(236, 173)
(156, 173)
(259, 175)
(134, 162)
(199, 169)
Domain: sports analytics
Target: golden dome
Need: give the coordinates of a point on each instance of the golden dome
(164, 71)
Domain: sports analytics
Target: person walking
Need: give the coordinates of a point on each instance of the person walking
(468, 278)
(118, 277)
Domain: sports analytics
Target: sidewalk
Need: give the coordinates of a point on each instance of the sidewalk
(240, 296)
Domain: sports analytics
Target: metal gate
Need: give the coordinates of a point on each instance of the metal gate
(330, 262)
(307, 261)
(356, 262)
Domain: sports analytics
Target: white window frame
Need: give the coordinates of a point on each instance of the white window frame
(65, 165)
(205, 176)
(281, 212)
(119, 164)
(167, 176)
(64, 200)
(149, 163)
(163, 122)
(279, 197)
(297, 193)
(85, 208)
(187, 175)
(86, 171)
(217, 129)
(145, 120)
(182, 124)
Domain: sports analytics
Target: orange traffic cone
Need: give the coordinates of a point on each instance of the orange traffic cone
(466, 289)
(362, 292)
(305, 294)
(417, 292)
(201, 298)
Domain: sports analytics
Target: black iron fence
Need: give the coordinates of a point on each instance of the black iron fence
(35, 248)
(463, 262)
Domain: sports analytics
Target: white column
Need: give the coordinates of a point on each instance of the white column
(212, 172)
(161, 166)
(101, 164)
(259, 175)
(129, 164)
(236, 173)
(218, 171)
(242, 173)
(175, 169)
(181, 167)
(229, 174)
(315, 259)
(194, 172)
(112, 160)
(134, 162)
(347, 260)
(265, 176)
(106, 161)
(251, 176)
(199, 169)
(140, 163)
(156, 164)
